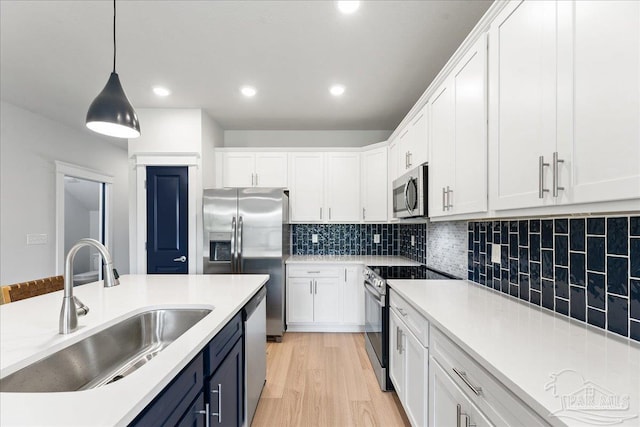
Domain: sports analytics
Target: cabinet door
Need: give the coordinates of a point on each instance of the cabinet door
(522, 103)
(226, 388)
(327, 301)
(469, 192)
(418, 139)
(442, 149)
(599, 101)
(238, 169)
(416, 380)
(343, 187)
(306, 181)
(353, 295)
(195, 415)
(403, 150)
(447, 400)
(396, 354)
(271, 170)
(300, 300)
(374, 185)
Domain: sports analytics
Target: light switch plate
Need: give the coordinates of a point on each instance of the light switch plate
(413, 240)
(376, 238)
(495, 253)
(37, 239)
(314, 238)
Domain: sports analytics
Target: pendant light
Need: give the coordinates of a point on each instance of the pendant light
(111, 113)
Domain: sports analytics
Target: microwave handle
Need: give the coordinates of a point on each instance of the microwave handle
(406, 197)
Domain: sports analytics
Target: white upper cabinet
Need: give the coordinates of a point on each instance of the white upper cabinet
(254, 169)
(458, 116)
(599, 100)
(306, 178)
(374, 185)
(343, 187)
(413, 143)
(522, 104)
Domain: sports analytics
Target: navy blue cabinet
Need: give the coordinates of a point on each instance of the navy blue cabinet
(212, 385)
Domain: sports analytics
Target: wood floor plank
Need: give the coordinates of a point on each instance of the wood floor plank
(316, 379)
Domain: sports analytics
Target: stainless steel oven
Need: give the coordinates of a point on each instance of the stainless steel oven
(376, 328)
(410, 193)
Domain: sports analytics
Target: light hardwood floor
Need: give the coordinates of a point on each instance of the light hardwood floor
(322, 379)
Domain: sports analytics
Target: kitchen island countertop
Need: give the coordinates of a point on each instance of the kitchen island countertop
(29, 331)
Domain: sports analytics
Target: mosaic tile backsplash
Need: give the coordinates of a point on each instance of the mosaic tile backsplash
(586, 268)
(447, 247)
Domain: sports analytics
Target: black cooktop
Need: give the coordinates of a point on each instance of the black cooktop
(409, 272)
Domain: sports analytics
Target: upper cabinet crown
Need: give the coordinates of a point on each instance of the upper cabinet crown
(254, 169)
(564, 103)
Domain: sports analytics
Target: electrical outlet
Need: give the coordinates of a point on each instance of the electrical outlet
(413, 240)
(376, 238)
(314, 238)
(37, 239)
(495, 253)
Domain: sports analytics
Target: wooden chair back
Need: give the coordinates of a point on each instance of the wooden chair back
(32, 288)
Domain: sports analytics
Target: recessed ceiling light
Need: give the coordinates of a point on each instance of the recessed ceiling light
(161, 91)
(337, 90)
(348, 6)
(248, 91)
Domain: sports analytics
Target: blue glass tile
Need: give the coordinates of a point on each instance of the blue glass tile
(505, 281)
(617, 278)
(469, 259)
(504, 256)
(617, 236)
(634, 257)
(547, 264)
(577, 234)
(561, 226)
(534, 225)
(534, 298)
(476, 232)
(483, 267)
(513, 226)
(596, 318)
(483, 227)
(634, 332)
(489, 276)
(513, 290)
(483, 241)
(504, 232)
(496, 284)
(524, 287)
(513, 246)
(577, 303)
(523, 234)
(476, 252)
(483, 280)
(634, 298)
(534, 247)
(496, 271)
(547, 234)
(577, 269)
(595, 226)
(470, 226)
(562, 306)
(634, 226)
(617, 315)
(513, 270)
(595, 254)
(562, 282)
(489, 235)
(524, 260)
(547, 294)
(595, 290)
(534, 272)
(483, 259)
(562, 250)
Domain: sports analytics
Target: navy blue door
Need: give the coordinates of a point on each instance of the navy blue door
(167, 220)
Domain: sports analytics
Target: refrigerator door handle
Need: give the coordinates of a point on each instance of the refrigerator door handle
(239, 269)
(234, 253)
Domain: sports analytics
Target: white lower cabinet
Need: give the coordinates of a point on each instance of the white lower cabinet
(325, 298)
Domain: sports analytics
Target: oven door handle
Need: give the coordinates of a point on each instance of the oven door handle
(370, 289)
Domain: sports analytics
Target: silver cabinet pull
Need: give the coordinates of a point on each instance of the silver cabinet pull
(313, 272)
(315, 284)
(449, 204)
(410, 155)
(252, 180)
(234, 249)
(345, 275)
(219, 413)
(401, 311)
(398, 339)
(556, 177)
(463, 376)
(329, 214)
(181, 259)
(541, 166)
(311, 287)
(444, 195)
(320, 213)
(364, 212)
(207, 422)
(256, 179)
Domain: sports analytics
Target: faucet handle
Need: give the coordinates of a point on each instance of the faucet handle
(81, 309)
(115, 274)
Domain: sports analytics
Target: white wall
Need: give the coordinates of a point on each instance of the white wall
(212, 137)
(304, 138)
(29, 144)
(167, 130)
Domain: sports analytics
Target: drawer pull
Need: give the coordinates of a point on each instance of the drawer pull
(463, 376)
(404, 313)
(313, 272)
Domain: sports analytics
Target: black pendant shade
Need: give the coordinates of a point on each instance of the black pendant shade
(111, 113)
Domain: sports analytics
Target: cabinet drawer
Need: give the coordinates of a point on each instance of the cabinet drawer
(314, 270)
(222, 343)
(411, 317)
(491, 396)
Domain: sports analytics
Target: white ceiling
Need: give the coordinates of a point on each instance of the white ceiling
(57, 55)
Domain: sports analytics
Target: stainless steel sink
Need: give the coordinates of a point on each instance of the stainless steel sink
(105, 356)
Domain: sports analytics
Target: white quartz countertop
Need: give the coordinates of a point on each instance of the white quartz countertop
(523, 346)
(29, 331)
(351, 259)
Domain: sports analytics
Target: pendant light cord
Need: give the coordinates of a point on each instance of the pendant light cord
(114, 36)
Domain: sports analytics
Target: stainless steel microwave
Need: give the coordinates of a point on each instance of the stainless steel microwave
(410, 193)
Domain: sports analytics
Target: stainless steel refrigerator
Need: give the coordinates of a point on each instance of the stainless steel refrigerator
(246, 231)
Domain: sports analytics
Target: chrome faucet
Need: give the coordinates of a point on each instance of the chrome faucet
(72, 307)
